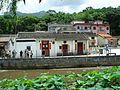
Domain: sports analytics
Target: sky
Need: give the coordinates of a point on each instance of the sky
(68, 6)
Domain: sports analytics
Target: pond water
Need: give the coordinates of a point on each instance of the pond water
(12, 74)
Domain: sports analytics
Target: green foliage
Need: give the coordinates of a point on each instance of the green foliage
(105, 79)
(12, 24)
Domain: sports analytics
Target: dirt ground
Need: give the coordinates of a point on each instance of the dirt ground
(13, 74)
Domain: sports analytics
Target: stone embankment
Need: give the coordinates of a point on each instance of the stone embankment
(59, 62)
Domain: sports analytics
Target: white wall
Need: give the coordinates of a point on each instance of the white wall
(111, 50)
(102, 41)
(82, 28)
(96, 41)
(53, 47)
(117, 51)
(71, 46)
(11, 45)
(22, 46)
(37, 51)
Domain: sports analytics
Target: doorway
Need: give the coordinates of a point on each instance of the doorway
(65, 49)
(80, 48)
(45, 48)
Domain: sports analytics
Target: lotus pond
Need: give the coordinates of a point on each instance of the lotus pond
(102, 79)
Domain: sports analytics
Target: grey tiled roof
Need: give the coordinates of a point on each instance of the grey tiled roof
(6, 37)
(90, 34)
(57, 36)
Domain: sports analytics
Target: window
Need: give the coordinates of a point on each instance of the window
(111, 43)
(43, 46)
(53, 42)
(66, 32)
(29, 48)
(94, 28)
(92, 37)
(78, 27)
(107, 28)
(46, 46)
(60, 47)
(86, 28)
(64, 28)
(93, 43)
(64, 41)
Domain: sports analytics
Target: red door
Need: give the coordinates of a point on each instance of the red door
(65, 49)
(45, 48)
(80, 48)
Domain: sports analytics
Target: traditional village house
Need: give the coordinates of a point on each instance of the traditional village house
(118, 41)
(77, 38)
(104, 39)
(100, 28)
(81, 26)
(69, 28)
(93, 42)
(51, 44)
(59, 28)
(91, 26)
(5, 44)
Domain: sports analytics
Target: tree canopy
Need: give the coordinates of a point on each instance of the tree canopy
(32, 23)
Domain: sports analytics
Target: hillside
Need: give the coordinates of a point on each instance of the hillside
(37, 14)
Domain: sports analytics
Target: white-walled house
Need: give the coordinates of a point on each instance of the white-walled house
(91, 26)
(104, 39)
(93, 42)
(59, 28)
(6, 43)
(81, 26)
(51, 44)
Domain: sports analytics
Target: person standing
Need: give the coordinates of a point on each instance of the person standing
(21, 54)
(31, 53)
(14, 53)
(25, 53)
(8, 54)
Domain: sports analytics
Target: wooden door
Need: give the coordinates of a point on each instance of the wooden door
(65, 49)
(80, 48)
(45, 48)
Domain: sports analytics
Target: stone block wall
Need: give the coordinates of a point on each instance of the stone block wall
(61, 62)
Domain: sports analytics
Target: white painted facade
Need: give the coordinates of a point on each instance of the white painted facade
(95, 41)
(22, 44)
(81, 28)
(71, 46)
(102, 41)
(52, 51)
(111, 50)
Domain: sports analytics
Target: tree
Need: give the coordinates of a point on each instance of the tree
(11, 5)
(12, 8)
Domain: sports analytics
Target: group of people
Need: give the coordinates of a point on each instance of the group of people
(27, 53)
(23, 54)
